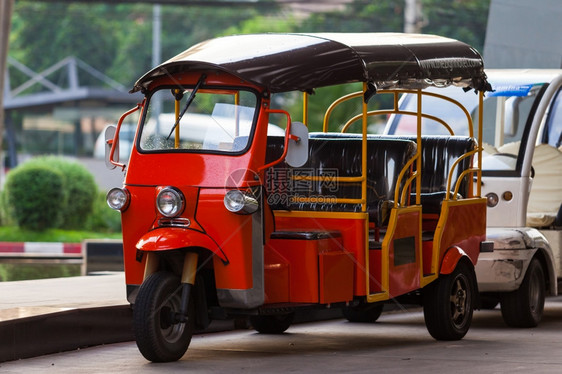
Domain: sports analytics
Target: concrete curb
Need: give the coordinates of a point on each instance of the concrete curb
(64, 331)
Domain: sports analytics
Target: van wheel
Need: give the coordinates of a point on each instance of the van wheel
(272, 324)
(448, 304)
(524, 306)
(363, 313)
(159, 337)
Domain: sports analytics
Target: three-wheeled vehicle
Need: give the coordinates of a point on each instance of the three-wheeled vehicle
(230, 220)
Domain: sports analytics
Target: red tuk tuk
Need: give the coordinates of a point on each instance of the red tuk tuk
(223, 217)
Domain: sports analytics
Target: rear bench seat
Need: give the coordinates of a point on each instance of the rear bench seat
(339, 156)
(438, 153)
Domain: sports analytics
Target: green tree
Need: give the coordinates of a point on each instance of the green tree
(359, 16)
(464, 20)
(114, 39)
(44, 33)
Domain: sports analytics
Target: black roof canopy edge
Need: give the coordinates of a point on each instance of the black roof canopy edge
(289, 62)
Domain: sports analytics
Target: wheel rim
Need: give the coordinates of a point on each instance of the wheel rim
(170, 330)
(460, 301)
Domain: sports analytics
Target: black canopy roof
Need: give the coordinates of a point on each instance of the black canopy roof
(288, 62)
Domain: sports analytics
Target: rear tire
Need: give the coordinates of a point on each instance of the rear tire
(159, 337)
(448, 304)
(524, 307)
(272, 324)
(365, 313)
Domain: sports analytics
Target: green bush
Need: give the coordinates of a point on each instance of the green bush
(33, 195)
(103, 219)
(80, 190)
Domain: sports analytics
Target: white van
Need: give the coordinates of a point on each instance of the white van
(522, 180)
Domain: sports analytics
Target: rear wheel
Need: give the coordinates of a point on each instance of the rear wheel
(159, 335)
(448, 304)
(272, 324)
(363, 313)
(524, 306)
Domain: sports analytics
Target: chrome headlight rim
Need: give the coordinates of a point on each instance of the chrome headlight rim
(175, 197)
(240, 202)
(118, 198)
(492, 199)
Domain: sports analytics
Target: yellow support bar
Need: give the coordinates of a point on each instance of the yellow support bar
(480, 135)
(451, 172)
(316, 214)
(326, 199)
(326, 178)
(305, 108)
(364, 155)
(419, 147)
(237, 114)
(177, 116)
(336, 103)
(405, 112)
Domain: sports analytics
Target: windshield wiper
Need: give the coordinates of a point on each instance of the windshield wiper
(188, 103)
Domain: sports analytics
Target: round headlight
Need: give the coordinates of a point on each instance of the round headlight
(170, 202)
(234, 201)
(492, 200)
(238, 202)
(118, 198)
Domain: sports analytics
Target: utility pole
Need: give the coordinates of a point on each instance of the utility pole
(157, 55)
(413, 18)
(6, 7)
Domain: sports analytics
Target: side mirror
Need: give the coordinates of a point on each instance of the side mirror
(109, 136)
(297, 152)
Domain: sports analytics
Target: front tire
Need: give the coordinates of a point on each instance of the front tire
(524, 306)
(159, 337)
(448, 304)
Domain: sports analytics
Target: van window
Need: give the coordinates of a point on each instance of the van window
(554, 122)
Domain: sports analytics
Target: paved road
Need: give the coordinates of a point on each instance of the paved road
(398, 343)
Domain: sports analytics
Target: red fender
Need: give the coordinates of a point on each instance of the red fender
(451, 259)
(168, 238)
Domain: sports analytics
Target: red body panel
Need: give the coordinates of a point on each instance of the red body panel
(404, 259)
(462, 225)
(167, 238)
(311, 270)
(233, 234)
(352, 235)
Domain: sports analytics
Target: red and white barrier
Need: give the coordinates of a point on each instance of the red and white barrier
(41, 249)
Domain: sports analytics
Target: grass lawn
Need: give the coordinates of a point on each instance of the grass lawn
(15, 234)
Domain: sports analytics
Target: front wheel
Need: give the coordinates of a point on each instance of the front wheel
(272, 324)
(448, 304)
(524, 306)
(159, 335)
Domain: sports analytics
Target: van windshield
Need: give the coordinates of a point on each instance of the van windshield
(215, 121)
(506, 111)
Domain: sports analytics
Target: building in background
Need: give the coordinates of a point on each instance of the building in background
(524, 34)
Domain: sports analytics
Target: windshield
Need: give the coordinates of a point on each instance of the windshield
(506, 112)
(214, 121)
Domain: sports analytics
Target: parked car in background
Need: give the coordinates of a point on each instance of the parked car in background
(521, 178)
